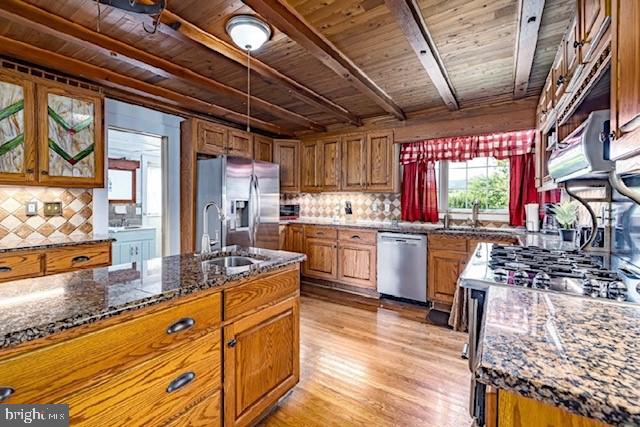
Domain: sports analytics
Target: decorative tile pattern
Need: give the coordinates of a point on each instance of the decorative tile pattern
(15, 225)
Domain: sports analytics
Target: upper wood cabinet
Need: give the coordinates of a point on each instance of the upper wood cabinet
(559, 72)
(240, 143)
(286, 153)
(65, 148)
(262, 148)
(572, 51)
(625, 87)
(593, 17)
(381, 162)
(309, 167)
(17, 130)
(261, 361)
(330, 167)
(353, 162)
(212, 138)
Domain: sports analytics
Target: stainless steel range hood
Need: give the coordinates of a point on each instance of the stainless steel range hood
(582, 153)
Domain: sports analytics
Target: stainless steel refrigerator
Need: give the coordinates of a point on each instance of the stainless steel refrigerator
(248, 192)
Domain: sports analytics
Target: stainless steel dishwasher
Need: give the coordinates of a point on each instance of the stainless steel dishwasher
(402, 265)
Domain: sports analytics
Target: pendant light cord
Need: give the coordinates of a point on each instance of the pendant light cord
(248, 90)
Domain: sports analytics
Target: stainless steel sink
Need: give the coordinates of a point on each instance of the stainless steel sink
(233, 261)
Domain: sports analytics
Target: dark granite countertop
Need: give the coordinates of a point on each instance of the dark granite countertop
(576, 353)
(38, 307)
(52, 242)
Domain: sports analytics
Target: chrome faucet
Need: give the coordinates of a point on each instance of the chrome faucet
(474, 213)
(205, 241)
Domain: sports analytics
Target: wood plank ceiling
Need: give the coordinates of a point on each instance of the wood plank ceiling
(294, 91)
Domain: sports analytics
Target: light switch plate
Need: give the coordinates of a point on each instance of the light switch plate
(52, 208)
(32, 208)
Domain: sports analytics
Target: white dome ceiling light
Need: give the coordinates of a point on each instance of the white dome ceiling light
(248, 32)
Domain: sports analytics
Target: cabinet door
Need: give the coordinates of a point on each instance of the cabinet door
(295, 238)
(71, 141)
(212, 138)
(310, 169)
(329, 176)
(286, 153)
(262, 148)
(625, 82)
(559, 72)
(261, 361)
(353, 162)
(357, 264)
(17, 130)
(572, 49)
(549, 93)
(381, 162)
(594, 17)
(444, 268)
(240, 144)
(322, 259)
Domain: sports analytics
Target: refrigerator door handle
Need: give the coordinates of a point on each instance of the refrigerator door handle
(252, 217)
(256, 220)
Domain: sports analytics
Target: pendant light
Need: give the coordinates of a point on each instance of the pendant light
(248, 33)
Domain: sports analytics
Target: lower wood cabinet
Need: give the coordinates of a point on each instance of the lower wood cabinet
(443, 270)
(322, 258)
(261, 361)
(357, 264)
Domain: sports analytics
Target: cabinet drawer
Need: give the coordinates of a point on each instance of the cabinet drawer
(77, 257)
(448, 243)
(245, 298)
(207, 413)
(67, 366)
(154, 391)
(318, 232)
(18, 265)
(357, 235)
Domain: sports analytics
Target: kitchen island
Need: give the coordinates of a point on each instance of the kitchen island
(156, 343)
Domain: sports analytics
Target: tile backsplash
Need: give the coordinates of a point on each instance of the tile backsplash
(365, 206)
(76, 218)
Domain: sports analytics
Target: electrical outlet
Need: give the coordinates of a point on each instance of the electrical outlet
(31, 208)
(387, 208)
(52, 208)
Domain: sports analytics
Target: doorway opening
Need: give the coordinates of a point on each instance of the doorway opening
(136, 186)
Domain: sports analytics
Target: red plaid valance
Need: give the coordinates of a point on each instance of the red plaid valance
(498, 145)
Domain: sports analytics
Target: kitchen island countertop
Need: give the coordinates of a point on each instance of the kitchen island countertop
(38, 307)
(579, 354)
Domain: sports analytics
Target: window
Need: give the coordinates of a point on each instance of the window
(484, 179)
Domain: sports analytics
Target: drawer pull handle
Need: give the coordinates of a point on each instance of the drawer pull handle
(5, 269)
(181, 325)
(5, 393)
(181, 381)
(80, 258)
(319, 233)
(232, 343)
(355, 237)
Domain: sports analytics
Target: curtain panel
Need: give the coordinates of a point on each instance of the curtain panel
(419, 191)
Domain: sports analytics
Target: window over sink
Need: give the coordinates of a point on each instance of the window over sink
(484, 178)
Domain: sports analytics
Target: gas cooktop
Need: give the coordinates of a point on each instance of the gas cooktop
(570, 272)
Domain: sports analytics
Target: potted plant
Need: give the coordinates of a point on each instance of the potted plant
(566, 214)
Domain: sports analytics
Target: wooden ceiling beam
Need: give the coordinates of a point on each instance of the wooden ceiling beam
(43, 21)
(529, 19)
(409, 17)
(55, 61)
(176, 24)
(286, 19)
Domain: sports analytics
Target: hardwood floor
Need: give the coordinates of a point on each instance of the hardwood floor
(367, 365)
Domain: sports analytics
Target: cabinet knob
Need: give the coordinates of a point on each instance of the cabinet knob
(232, 343)
(577, 44)
(560, 81)
(180, 325)
(181, 381)
(44, 172)
(29, 171)
(5, 393)
(5, 269)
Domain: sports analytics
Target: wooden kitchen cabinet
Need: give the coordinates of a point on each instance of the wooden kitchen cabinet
(322, 258)
(309, 167)
(573, 53)
(295, 238)
(444, 268)
(593, 18)
(240, 144)
(286, 153)
(261, 361)
(381, 162)
(70, 137)
(357, 264)
(18, 137)
(330, 167)
(353, 162)
(559, 72)
(212, 138)
(262, 148)
(625, 81)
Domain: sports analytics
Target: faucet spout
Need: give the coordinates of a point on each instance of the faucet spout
(205, 241)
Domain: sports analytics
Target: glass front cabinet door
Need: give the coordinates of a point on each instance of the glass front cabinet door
(17, 130)
(71, 149)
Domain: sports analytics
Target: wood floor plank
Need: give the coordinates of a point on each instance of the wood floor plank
(367, 365)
